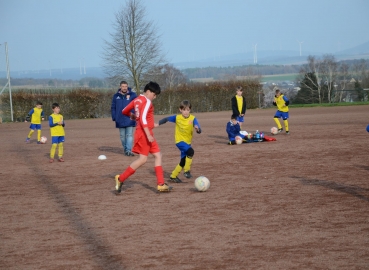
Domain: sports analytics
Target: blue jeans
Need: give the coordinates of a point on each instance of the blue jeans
(126, 138)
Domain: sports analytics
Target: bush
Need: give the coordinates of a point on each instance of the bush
(86, 103)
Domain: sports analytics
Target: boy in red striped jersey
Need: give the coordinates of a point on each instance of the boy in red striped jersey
(144, 141)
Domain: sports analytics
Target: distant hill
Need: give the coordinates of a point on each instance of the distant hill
(264, 57)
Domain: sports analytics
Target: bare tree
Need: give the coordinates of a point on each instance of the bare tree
(135, 47)
(329, 72)
(313, 66)
(167, 76)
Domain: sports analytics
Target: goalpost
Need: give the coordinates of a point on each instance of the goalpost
(8, 83)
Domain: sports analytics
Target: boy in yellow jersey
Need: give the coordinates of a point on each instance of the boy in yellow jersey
(56, 124)
(282, 102)
(185, 124)
(239, 105)
(35, 116)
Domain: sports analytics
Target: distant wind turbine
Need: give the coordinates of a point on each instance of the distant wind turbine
(255, 54)
(300, 42)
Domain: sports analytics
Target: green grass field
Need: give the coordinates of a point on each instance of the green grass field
(279, 77)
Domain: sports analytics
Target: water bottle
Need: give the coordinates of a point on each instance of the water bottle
(257, 136)
(261, 137)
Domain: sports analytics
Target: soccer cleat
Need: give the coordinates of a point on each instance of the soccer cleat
(287, 132)
(187, 174)
(61, 159)
(163, 188)
(175, 180)
(280, 130)
(51, 160)
(118, 184)
(38, 142)
(129, 154)
(28, 140)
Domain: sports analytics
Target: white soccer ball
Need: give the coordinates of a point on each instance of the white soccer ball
(274, 130)
(202, 183)
(238, 140)
(43, 139)
(102, 157)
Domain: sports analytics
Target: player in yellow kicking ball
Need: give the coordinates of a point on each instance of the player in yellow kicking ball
(56, 123)
(35, 116)
(185, 124)
(282, 102)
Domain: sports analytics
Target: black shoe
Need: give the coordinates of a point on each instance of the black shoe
(280, 130)
(187, 174)
(287, 132)
(129, 154)
(118, 184)
(175, 180)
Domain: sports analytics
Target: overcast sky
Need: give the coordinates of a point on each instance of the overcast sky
(43, 34)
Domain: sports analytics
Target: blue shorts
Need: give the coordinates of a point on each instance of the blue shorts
(57, 139)
(240, 119)
(283, 115)
(183, 147)
(35, 126)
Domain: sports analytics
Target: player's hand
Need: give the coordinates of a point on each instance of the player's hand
(133, 116)
(156, 125)
(42, 119)
(150, 138)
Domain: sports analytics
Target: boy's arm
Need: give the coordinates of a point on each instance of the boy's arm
(127, 110)
(286, 101)
(42, 115)
(51, 122)
(166, 119)
(28, 117)
(197, 126)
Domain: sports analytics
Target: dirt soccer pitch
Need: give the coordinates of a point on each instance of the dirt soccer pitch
(301, 202)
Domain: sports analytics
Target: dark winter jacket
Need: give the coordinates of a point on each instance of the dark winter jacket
(235, 106)
(118, 103)
(233, 130)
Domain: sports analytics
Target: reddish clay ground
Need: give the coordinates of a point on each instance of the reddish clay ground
(301, 202)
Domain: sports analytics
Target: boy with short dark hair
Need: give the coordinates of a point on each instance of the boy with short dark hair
(144, 141)
(239, 105)
(35, 116)
(185, 124)
(56, 123)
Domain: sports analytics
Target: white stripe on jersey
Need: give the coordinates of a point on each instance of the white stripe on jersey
(145, 110)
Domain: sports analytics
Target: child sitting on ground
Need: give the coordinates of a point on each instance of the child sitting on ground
(233, 130)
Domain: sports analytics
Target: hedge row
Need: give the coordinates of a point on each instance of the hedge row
(87, 103)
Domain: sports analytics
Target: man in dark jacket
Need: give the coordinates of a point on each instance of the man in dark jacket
(120, 100)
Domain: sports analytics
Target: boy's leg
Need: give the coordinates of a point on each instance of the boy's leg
(52, 152)
(61, 152)
(286, 126)
(38, 135)
(276, 120)
(119, 179)
(29, 135)
(187, 166)
(162, 187)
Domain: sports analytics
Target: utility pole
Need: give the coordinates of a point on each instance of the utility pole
(8, 83)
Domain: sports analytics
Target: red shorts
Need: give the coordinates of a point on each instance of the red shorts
(142, 145)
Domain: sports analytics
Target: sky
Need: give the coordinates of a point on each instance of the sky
(58, 34)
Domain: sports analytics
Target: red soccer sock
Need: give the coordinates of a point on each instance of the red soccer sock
(159, 175)
(127, 173)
